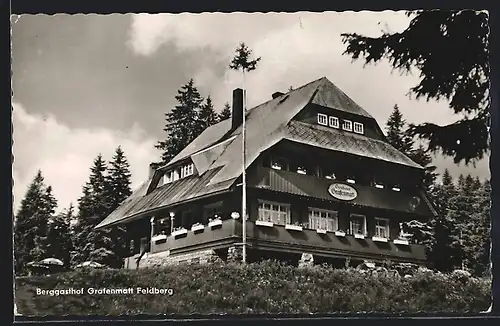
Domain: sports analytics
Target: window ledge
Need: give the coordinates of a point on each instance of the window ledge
(321, 231)
(340, 234)
(263, 223)
(159, 237)
(179, 232)
(401, 242)
(215, 223)
(195, 228)
(379, 239)
(293, 227)
(359, 236)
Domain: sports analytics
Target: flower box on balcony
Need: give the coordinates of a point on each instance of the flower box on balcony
(340, 233)
(159, 237)
(293, 227)
(359, 236)
(179, 232)
(379, 239)
(321, 231)
(214, 223)
(264, 223)
(403, 242)
(197, 227)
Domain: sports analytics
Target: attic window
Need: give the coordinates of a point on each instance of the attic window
(322, 119)
(347, 125)
(358, 128)
(334, 122)
(176, 175)
(187, 170)
(168, 177)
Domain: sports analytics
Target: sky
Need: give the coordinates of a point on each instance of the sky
(86, 84)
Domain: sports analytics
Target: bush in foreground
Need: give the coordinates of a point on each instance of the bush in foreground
(267, 287)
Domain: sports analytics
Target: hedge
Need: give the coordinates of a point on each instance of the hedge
(266, 287)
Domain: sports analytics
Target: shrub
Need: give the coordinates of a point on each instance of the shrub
(266, 287)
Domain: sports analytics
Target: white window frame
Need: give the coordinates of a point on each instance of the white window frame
(351, 224)
(168, 177)
(323, 219)
(187, 170)
(333, 122)
(322, 116)
(359, 128)
(347, 125)
(269, 214)
(177, 175)
(385, 227)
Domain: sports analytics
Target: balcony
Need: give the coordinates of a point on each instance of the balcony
(282, 238)
(217, 234)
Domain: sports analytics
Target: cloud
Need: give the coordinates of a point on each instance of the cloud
(295, 48)
(65, 155)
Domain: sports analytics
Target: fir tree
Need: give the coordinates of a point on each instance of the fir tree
(181, 122)
(396, 135)
(446, 252)
(94, 206)
(118, 189)
(420, 156)
(473, 205)
(206, 116)
(31, 222)
(479, 260)
(59, 242)
(225, 113)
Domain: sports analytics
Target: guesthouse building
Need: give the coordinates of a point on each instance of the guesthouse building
(321, 181)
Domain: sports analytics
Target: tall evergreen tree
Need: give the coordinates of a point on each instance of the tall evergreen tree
(118, 189)
(206, 116)
(446, 253)
(478, 259)
(474, 206)
(59, 241)
(93, 207)
(31, 223)
(420, 156)
(225, 113)
(395, 129)
(181, 122)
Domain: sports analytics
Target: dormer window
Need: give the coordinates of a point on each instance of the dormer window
(187, 170)
(322, 119)
(176, 175)
(333, 122)
(358, 128)
(347, 125)
(168, 177)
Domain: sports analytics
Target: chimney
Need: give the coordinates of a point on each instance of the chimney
(277, 94)
(152, 169)
(237, 114)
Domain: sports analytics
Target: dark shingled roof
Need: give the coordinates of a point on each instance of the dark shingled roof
(217, 154)
(347, 142)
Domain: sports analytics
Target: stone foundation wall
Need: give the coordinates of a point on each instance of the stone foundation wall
(164, 259)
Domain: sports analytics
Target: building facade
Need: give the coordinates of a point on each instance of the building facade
(321, 180)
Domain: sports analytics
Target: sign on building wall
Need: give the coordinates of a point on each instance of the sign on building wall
(342, 191)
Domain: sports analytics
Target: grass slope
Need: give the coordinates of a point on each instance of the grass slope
(267, 287)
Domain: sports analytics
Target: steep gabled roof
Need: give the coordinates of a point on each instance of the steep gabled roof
(216, 153)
